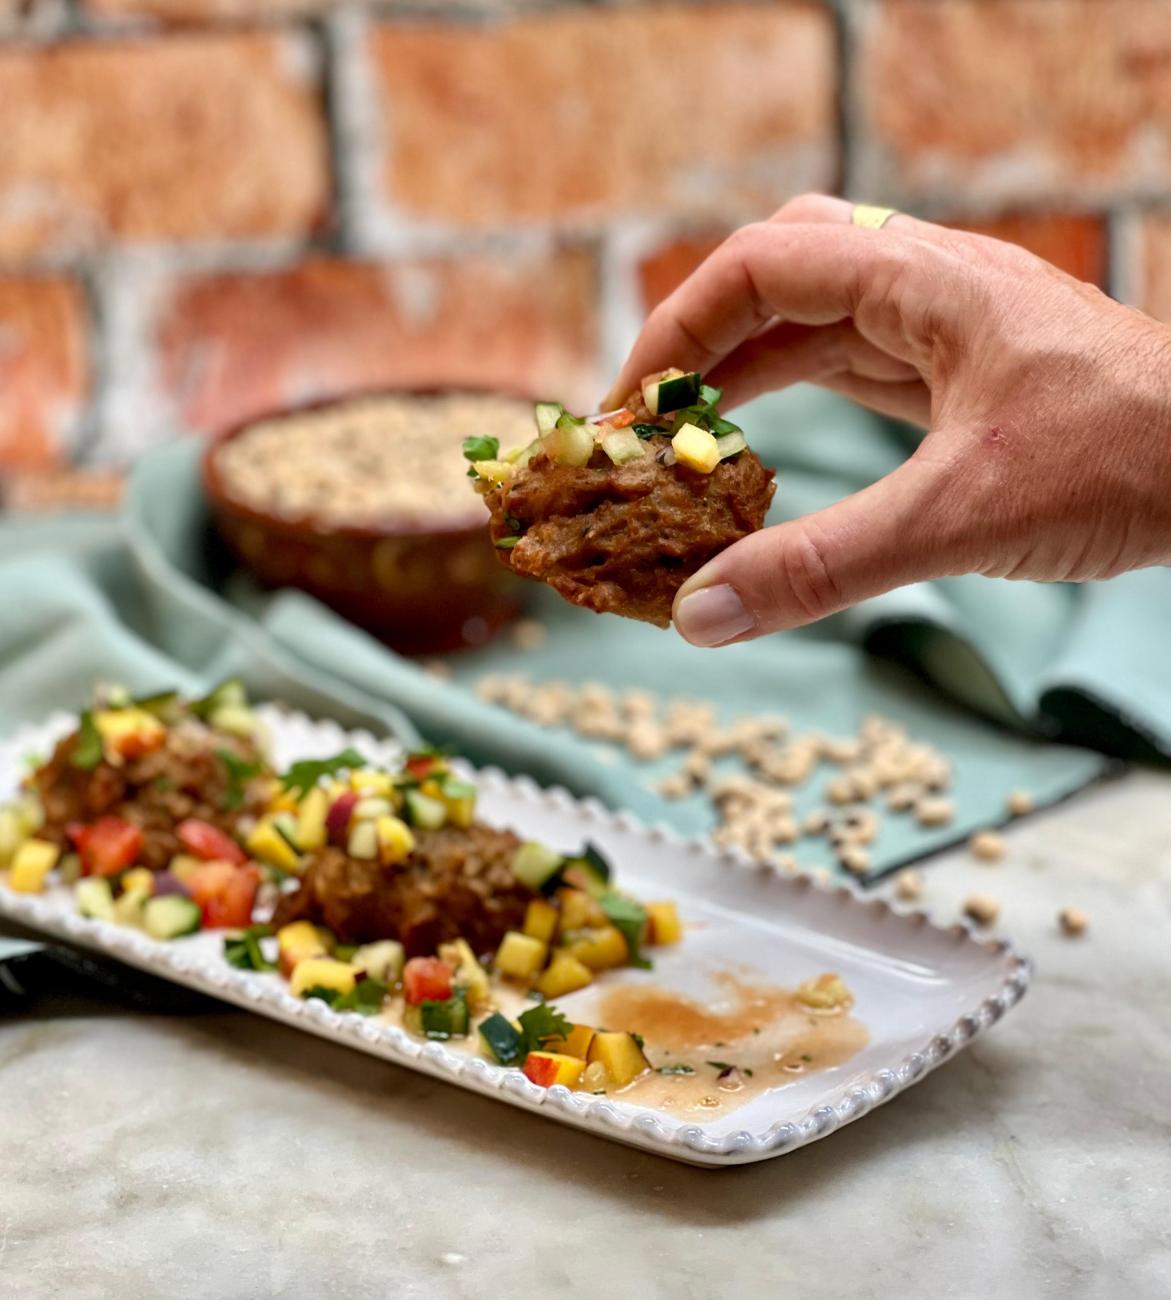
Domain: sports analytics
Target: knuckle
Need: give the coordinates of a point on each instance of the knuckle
(805, 576)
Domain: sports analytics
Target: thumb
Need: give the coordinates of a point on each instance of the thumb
(798, 572)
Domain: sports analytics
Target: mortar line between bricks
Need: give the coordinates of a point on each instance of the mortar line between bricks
(338, 235)
(845, 109)
(88, 435)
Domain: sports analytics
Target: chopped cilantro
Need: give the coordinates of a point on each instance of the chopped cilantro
(806, 1057)
(88, 751)
(640, 1040)
(163, 783)
(506, 543)
(481, 448)
(240, 771)
(228, 692)
(647, 430)
(629, 917)
(720, 1065)
(675, 1069)
(243, 949)
(748, 1072)
(303, 776)
(538, 1024)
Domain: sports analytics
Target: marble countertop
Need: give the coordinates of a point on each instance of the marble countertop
(220, 1155)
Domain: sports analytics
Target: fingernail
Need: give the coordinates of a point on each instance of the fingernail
(712, 615)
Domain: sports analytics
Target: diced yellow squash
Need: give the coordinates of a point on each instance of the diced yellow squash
(139, 878)
(283, 801)
(825, 993)
(696, 448)
(566, 974)
(379, 784)
(30, 815)
(396, 841)
(600, 949)
(541, 920)
(621, 1055)
(297, 941)
(495, 471)
(183, 866)
(520, 955)
(576, 909)
(381, 961)
(311, 819)
(576, 1043)
(117, 726)
(469, 974)
(129, 906)
(31, 863)
(11, 835)
(461, 809)
(267, 844)
(666, 926)
(324, 973)
(550, 1068)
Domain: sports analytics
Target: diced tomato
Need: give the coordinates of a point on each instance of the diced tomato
(426, 979)
(621, 420)
(421, 766)
(203, 840)
(225, 893)
(108, 846)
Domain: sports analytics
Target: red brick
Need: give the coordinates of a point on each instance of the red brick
(231, 346)
(688, 109)
(185, 138)
(1153, 288)
(994, 99)
(1075, 243)
(201, 11)
(667, 267)
(43, 369)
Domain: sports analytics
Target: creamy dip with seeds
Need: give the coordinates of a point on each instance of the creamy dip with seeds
(370, 460)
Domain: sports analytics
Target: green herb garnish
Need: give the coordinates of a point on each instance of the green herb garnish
(506, 543)
(806, 1057)
(366, 998)
(243, 949)
(648, 430)
(720, 1065)
(481, 448)
(88, 752)
(675, 1069)
(228, 693)
(240, 771)
(502, 1038)
(630, 917)
(539, 1024)
(303, 776)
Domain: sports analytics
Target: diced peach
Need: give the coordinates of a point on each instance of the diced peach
(621, 1055)
(565, 975)
(541, 920)
(600, 949)
(297, 941)
(520, 955)
(665, 924)
(576, 1043)
(548, 1068)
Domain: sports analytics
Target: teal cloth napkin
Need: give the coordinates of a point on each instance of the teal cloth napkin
(995, 674)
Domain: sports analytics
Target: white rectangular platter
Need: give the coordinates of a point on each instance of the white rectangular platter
(922, 991)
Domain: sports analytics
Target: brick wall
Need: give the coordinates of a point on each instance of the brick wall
(212, 207)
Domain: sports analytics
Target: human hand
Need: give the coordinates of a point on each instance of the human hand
(1047, 404)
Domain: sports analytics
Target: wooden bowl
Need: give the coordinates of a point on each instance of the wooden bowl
(423, 585)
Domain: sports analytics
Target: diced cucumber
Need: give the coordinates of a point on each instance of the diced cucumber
(441, 1020)
(11, 835)
(162, 705)
(171, 916)
(129, 908)
(589, 871)
(381, 961)
(547, 414)
(502, 1038)
(623, 446)
(228, 694)
(570, 444)
(535, 865)
(731, 444)
(69, 869)
(424, 811)
(672, 392)
(363, 841)
(234, 719)
(95, 898)
(285, 825)
(520, 456)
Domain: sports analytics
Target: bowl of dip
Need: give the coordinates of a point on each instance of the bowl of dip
(364, 503)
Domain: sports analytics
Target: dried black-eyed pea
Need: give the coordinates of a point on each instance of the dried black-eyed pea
(861, 825)
(1073, 921)
(902, 798)
(675, 786)
(646, 741)
(909, 885)
(934, 811)
(1021, 803)
(840, 790)
(854, 859)
(528, 634)
(816, 822)
(982, 909)
(987, 846)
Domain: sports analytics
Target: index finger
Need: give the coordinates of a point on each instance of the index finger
(813, 274)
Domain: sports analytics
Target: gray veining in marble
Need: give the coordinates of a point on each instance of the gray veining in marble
(223, 1156)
